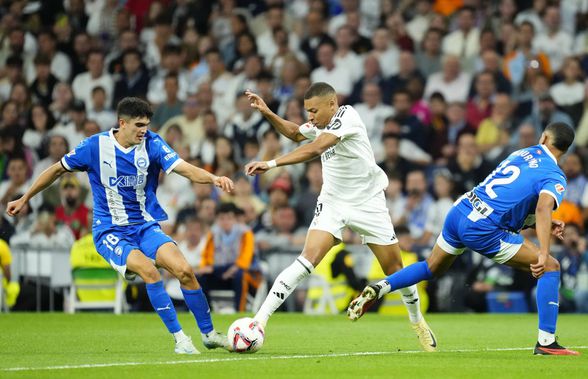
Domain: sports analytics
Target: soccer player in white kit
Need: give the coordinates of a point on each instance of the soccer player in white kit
(352, 195)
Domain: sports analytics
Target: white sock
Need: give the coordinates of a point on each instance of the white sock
(410, 298)
(545, 338)
(178, 336)
(283, 286)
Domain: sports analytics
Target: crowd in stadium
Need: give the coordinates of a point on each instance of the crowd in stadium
(446, 89)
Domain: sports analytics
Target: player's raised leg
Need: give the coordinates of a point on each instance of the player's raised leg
(138, 263)
(547, 298)
(170, 258)
(317, 244)
(437, 263)
(391, 261)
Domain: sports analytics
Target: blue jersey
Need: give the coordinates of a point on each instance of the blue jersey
(507, 198)
(123, 180)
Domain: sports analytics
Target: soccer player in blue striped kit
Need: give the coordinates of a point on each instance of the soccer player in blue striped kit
(123, 166)
(522, 192)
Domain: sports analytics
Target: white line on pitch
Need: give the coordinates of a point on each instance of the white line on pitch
(265, 358)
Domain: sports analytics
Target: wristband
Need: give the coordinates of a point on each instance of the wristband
(272, 163)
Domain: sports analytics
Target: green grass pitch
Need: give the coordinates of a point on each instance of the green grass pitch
(297, 346)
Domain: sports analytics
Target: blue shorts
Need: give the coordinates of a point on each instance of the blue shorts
(480, 236)
(115, 243)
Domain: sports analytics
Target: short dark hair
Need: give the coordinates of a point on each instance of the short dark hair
(226, 208)
(563, 135)
(319, 89)
(133, 107)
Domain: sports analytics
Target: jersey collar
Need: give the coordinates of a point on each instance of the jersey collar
(548, 152)
(125, 150)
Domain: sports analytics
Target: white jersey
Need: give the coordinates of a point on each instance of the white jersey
(350, 173)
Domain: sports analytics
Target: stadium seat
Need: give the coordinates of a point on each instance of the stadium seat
(95, 288)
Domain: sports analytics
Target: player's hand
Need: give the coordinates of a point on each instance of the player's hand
(256, 168)
(15, 206)
(257, 102)
(223, 183)
(557, 228)
(537, 269)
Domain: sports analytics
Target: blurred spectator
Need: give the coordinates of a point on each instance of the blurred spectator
(443, 191)
(246, 123)
(407, 70)
(171, 64)
(62, 98)
(339, 76)
(59, 62)
(278, 194)
(72, 128)
(42, 86)
(428, 55)
(205, 148)
(464, 42)
(13, 72)
(533, 15)
(373, 113)
(57, 147)
(46, 232)
(410, 126)
(133, 80)
(227, 256)
(418, 203)
(40, 122)
(546, 113)
(72, 211)
(395, 199)
(525, 55)
(172, 106)
(84, 83)
(451, 82)
(494, 131)
(221, 81)
(16, 183)
(392, 163)
(114, 61)
(190, 121)
(371, 74)
(479, 106)
(569, 94)
(386, 51)
(81, 48)
(100, 111)
(157, 42)
(266, 41)
(554, 41)
(243, 195)
(283, 233)
(344, 54)
(468, 167)
(418, 26)
(224, 157)
(573, 290)
(573, 168)
(315, 36)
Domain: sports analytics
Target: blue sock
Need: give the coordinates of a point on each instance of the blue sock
(406, 277)
(163, 306)
(196, 301)
(548, 300)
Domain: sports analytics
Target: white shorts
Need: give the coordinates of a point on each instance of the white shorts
(371, 220)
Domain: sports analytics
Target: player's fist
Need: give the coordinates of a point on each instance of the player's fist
(223, 183)
(14, 207)
(256, 168)
(538, 269)
(257, 102)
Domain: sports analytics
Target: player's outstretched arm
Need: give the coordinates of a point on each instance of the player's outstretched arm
(301, 154)
(543, 226)
(43, 181)
(285, 127)
(198, 175)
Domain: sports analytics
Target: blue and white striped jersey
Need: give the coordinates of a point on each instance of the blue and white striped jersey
(123, 180)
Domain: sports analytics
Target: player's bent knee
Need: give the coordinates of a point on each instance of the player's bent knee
(148, 274)
(185, 275)
(552, 264)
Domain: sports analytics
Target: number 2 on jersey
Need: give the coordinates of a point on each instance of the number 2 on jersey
(514, 172)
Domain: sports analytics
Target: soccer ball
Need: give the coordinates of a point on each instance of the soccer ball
(246, 335)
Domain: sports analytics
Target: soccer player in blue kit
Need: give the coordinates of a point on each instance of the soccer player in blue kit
(123, 166)
(521, 192)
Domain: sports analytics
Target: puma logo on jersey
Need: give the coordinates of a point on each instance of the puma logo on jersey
(107, 163)
(167, 307)
(126, 180)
